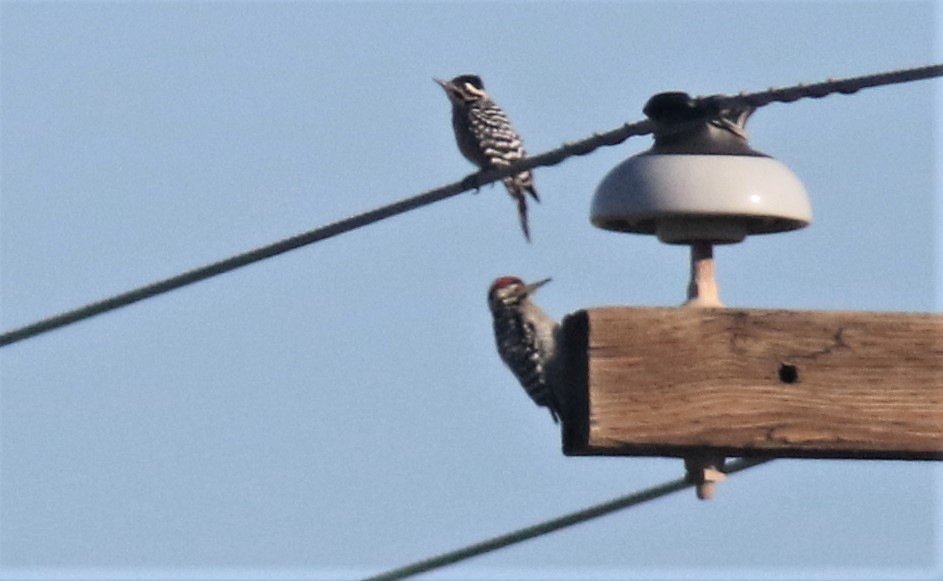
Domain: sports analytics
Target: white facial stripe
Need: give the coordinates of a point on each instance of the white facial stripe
(472, 90)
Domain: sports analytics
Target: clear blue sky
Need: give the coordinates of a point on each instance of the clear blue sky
(341, 410)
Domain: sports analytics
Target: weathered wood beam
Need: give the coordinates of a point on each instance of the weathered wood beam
(732, 382)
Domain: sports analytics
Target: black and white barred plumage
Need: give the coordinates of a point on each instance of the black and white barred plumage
(486, 138)
(526, 338)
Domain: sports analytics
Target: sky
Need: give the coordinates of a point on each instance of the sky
(341, 410)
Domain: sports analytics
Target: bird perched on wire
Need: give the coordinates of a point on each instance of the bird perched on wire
(486, 138)
(526, 338)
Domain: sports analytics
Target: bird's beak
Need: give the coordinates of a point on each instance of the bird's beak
(532, 287)
(443, 84)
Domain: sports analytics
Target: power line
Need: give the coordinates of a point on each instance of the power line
(550, 526)
(549, 158)
(228, 264)
(845, 86)
(473, 181)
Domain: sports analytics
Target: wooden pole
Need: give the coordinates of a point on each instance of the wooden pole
(707, 382)
(753, 382)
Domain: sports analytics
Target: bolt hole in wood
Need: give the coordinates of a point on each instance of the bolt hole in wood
(788, 373)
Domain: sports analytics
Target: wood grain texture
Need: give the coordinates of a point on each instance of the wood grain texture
(667, 381)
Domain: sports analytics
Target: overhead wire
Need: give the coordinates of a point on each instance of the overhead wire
(473, 181)
(549, 526)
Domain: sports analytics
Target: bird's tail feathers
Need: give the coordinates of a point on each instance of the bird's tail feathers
(522, 213)
(529, 188)
(522, 183)
(517, 187)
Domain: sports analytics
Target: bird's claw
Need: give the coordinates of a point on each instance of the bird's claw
(470, 182)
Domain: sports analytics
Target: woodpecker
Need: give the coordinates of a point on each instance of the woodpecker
(485, 137)
(525, 336)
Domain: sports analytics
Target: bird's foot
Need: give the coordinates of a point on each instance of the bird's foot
(470, 182)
